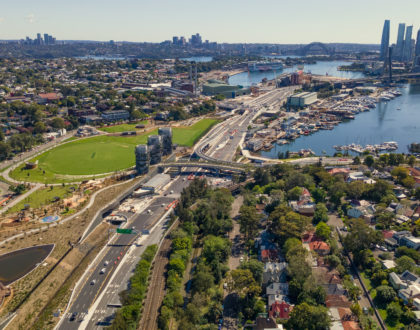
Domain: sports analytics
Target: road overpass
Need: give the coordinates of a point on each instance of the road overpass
(218, 166)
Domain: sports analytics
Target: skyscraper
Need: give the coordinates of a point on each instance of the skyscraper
(400, 41)
(385, 40)
(407, 51)
(417, 52)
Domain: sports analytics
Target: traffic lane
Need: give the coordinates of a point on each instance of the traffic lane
(104, 314)
(144, 219)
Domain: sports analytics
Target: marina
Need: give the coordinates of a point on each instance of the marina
(361, 121)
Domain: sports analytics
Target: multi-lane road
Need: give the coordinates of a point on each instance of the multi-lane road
(226, 137)
(98, 277)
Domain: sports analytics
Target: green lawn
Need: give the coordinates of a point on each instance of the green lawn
(99, 154)
(188, 136)
(42, 197)
(122, 127)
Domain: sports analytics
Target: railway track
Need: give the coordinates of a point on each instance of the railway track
(156, 290)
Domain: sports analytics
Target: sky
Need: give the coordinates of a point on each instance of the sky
(241, 21)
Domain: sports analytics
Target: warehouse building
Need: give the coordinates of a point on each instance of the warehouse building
(302, 99)
(217, 87)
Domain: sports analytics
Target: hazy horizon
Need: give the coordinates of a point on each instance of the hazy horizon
(278, 22)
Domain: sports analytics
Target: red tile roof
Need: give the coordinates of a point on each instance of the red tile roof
(280, 310)
(319, 246)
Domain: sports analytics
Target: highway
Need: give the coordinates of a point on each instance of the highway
(226, 137)
(111, 256)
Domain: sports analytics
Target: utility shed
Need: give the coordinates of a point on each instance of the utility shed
(157, 182)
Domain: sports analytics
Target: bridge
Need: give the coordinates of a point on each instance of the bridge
(231, 167)
(314, 45)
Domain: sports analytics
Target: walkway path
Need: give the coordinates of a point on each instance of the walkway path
(20, 198)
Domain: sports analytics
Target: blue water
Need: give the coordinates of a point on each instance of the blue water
(382, 124)
(320, 68)
(198, 59)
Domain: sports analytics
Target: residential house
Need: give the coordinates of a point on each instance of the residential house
(388, 264)
(274, 272)
(280, 310)
(319, 247)
(362, 209)
(410, 293)
(396, 281)
(277, 292)
(304, 205)
(266, 323)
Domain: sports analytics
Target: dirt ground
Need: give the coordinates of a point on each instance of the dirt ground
(61, 236)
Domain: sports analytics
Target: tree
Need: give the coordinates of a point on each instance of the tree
(242, 282)
(290, 244)
(177, 265)
(305, 316)
(385, 294)
(405, 263)
(319, 195)
(394, 312)
(406, 251)
(4, 150)
(321, 214)
(255, 267)
(332, 261)
(294, 193)
(39, 127)
(58, 123)
(369, 161)
(216, 248)
(202, 281)
(361, 237)
(356, 189)
(323, 230)
(19, 189)
(285, 223)
(249, 220)
(356, 160)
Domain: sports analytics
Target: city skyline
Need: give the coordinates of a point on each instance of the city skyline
(231, 22)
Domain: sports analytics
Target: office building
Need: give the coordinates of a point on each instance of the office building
(175, 40)
(38, 39)
(407, 51)
(400, 41)
(385, 40)
(417, 49)
(166, 135)
(142, 159)
(154, 143)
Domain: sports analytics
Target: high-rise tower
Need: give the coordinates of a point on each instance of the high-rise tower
(417, 51)
(407, 51)
(400, 41)
(385, 40)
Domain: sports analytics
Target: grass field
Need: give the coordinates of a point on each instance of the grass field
(99, 154)
(42, 197)
(122, 127)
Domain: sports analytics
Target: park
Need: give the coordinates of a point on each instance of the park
(99, 155)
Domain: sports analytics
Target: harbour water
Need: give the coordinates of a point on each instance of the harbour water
(321, 68)
(198, 59)
(397, 120)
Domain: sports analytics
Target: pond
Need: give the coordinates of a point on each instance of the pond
(19, 263)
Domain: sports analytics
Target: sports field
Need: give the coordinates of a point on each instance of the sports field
(99, 154)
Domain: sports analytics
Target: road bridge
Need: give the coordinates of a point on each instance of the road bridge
(219, 166)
